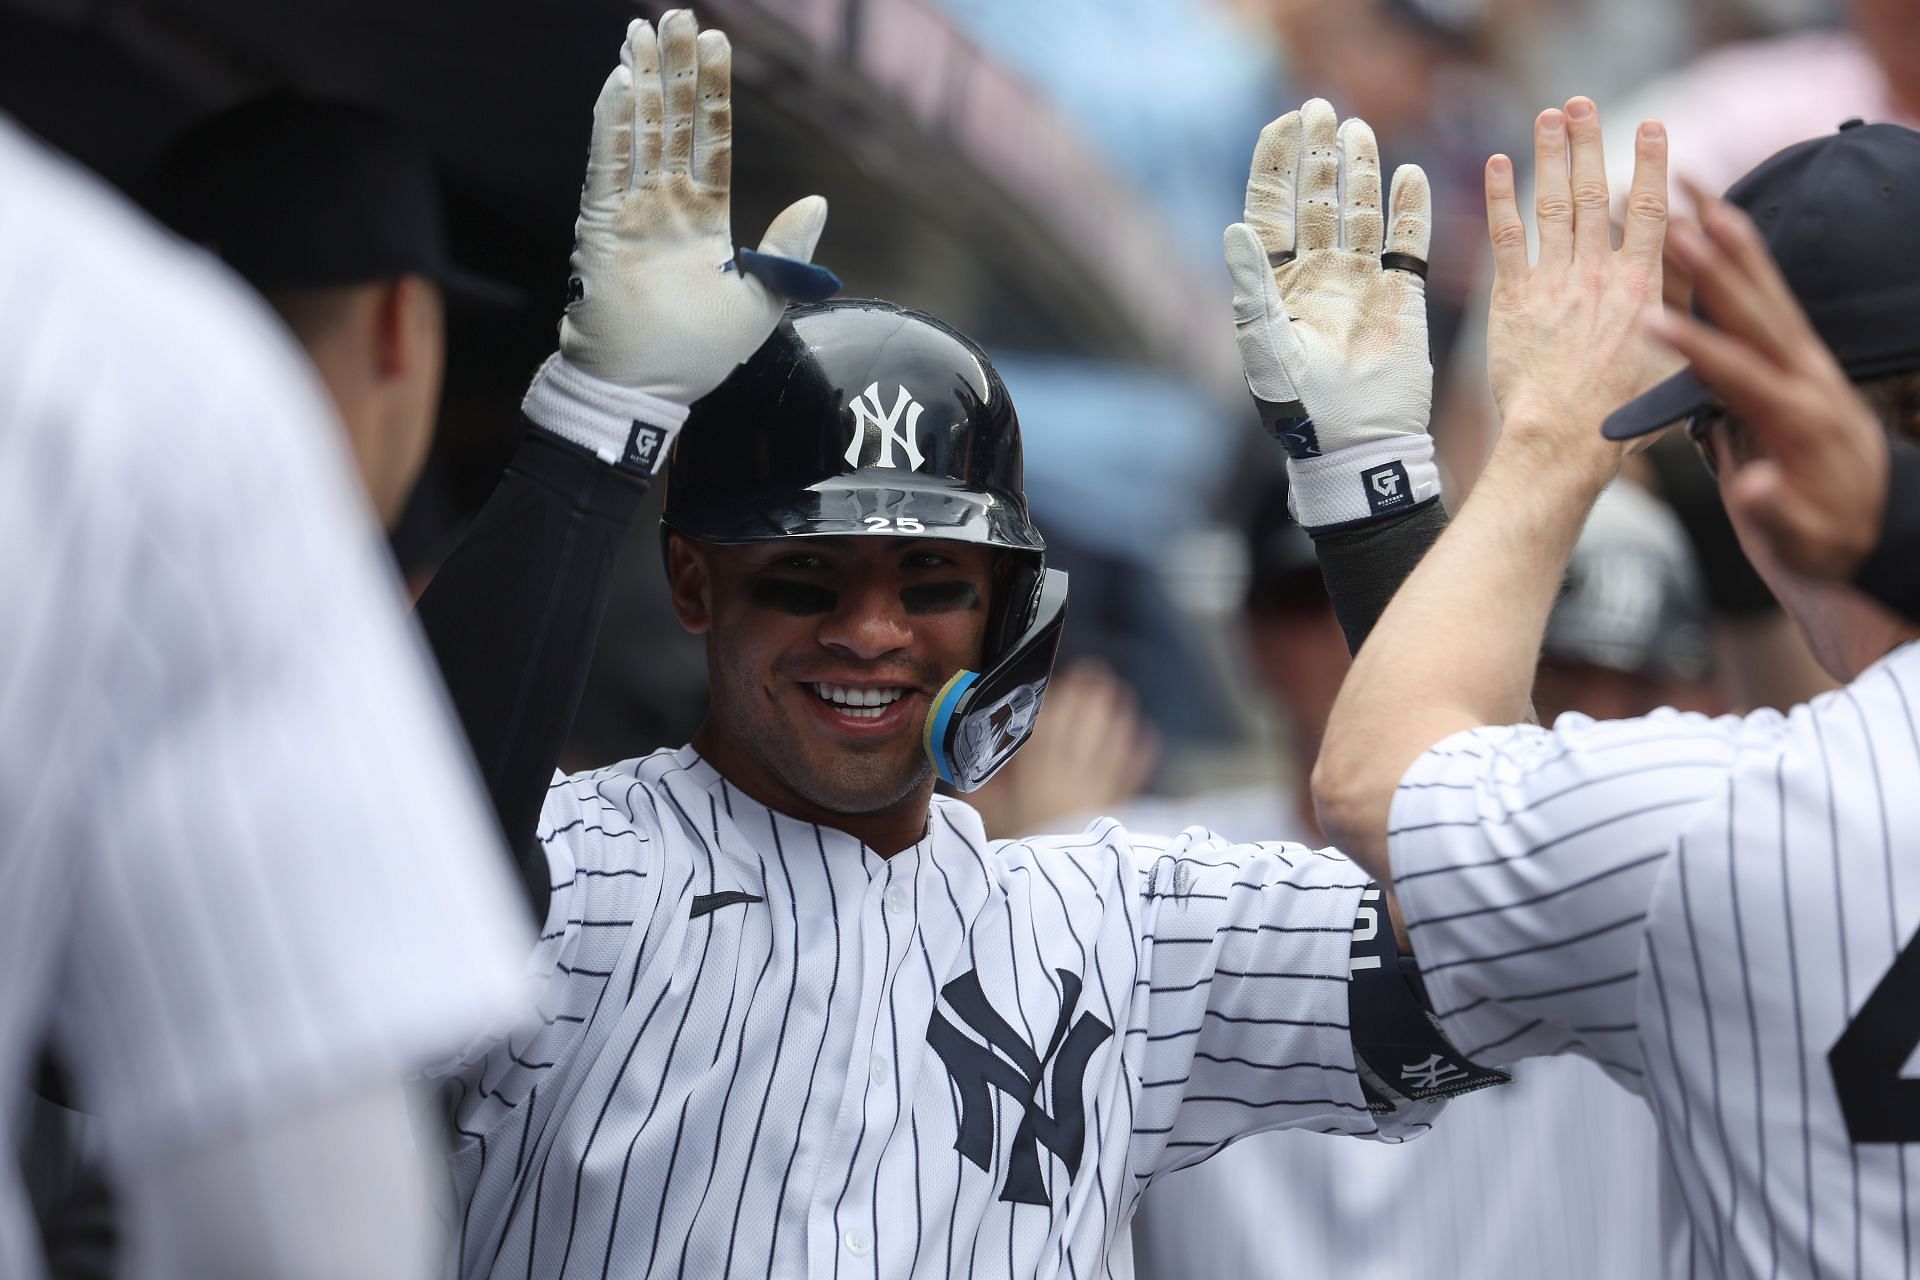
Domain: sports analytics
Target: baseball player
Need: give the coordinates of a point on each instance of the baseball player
(799, 1014)
(1719, 912)
(1563, 1153)
(206, 692)
(334, 213)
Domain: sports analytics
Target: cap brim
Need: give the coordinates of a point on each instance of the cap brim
(470, 288)
(1674, 400)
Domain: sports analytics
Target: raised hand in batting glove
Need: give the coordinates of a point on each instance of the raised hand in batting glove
(1329, 307)
(658, 310)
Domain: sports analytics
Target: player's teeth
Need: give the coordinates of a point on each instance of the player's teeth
(845, 696)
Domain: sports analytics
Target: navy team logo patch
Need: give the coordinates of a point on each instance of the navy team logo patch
(1016, 1070)
(644, 443)
(1387, 488)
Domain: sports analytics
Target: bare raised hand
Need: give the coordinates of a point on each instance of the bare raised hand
(1566, 337)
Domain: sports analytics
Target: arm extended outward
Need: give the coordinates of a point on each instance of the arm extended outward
(1457, 646)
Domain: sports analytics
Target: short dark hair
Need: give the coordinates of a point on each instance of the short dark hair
(312, 313)
(1896, 399)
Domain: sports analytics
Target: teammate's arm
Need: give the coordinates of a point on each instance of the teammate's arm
(657, 315)
(1457, 646)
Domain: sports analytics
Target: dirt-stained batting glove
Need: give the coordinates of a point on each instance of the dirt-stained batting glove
(659, 311)
(1332, 319)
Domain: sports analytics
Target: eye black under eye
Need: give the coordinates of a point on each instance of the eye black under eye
(801, 599)
(939, 597)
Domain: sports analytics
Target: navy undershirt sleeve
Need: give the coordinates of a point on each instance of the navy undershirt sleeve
(512, 617)
(1363, 565)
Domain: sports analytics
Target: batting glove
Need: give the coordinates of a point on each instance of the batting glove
(1332, 330)
(658, 311)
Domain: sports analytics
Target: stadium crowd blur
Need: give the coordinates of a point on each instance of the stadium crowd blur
(1052, 178)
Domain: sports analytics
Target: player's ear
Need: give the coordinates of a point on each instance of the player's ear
(691, 584)
(407, 323)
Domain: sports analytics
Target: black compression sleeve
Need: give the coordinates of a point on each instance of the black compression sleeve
(1364, 565)
(1891, 573)
(512, 617)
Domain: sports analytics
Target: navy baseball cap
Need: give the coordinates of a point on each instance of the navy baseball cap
(297, 193)
(1841, 215)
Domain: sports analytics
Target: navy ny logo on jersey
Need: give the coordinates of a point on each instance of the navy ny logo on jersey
(1016, 1071)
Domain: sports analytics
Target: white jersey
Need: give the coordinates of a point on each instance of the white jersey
(1566, 1155)
(242, 868)
(765, 1050)
(1721, 913)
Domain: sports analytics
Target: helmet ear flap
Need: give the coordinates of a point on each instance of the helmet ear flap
(1016, 594)
(980, 718)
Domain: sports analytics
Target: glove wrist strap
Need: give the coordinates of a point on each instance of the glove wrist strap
(1371, 481)
(621, 425)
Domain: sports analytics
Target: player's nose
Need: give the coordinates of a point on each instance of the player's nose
(869, 621)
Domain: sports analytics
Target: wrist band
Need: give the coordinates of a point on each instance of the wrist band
(1386, 477)
(621, 425)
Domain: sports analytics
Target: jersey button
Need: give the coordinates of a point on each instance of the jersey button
(879, 1070)
(859, 1243)
(896, 899)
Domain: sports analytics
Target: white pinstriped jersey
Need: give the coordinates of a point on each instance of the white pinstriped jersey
(1707, 908)
(765, 1050)
(243, 867)
(1565, 1155)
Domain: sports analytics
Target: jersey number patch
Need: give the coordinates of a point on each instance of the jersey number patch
(1879, 1104)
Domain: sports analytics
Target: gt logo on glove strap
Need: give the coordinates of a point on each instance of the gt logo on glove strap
(1387, 488)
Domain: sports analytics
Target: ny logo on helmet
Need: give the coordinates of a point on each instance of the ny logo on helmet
(870, 418)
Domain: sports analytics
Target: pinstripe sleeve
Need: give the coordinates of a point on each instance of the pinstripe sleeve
(599, 831)
(1526, 861)
(1240, 1009)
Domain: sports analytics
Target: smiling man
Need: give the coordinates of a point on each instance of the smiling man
(799, 1015)
(847, 530)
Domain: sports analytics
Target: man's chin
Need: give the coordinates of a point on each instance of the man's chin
(857, 783)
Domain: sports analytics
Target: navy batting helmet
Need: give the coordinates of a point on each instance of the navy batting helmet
(859, 417)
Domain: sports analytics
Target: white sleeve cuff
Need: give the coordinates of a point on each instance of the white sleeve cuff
(1367, 482)
(619, 424)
